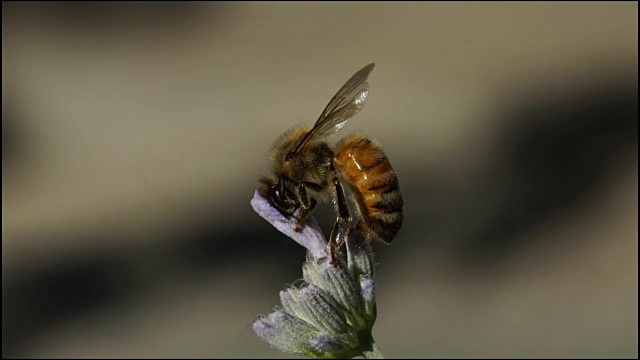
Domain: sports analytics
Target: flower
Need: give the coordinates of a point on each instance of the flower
(329, 313)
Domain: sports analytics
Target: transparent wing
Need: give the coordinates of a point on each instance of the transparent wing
(344, 105)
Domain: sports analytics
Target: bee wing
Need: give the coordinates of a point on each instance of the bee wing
(344, 105)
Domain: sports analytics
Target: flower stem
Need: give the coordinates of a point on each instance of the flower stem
(373, 352)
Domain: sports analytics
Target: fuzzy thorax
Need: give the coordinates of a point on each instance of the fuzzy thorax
(312, 164)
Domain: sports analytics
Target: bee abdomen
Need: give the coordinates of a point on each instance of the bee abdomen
(362, 164)
(383, 211)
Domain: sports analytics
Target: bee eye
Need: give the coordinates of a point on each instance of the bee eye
(280, 198)
(280, 189)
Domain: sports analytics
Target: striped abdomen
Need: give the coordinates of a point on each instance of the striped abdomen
(361, 163)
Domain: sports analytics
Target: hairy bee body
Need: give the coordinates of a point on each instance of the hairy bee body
(305, 170)
(361, 163)
(311, 165)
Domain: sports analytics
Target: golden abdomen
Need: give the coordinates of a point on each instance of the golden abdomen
(361, 163)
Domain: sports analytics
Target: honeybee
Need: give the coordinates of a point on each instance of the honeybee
(306, 171)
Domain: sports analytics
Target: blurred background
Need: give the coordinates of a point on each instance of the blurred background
(133, 135)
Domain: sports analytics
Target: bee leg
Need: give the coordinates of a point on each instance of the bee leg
(339, 235)
(306, 206)
(341, 202)
(341, 227)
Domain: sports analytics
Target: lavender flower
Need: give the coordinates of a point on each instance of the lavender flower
(330, 313)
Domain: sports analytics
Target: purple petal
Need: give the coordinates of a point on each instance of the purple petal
(264, 328)
(323, 343)
(368, 289)
(367, 286)
(268, 330)
(310, 236)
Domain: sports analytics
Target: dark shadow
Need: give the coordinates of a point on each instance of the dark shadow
(36, 299)
(15, 142)
(558, 152)
(56, 292)
(113, 22)
(207, 248)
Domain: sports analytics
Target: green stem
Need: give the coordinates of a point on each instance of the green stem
(373, 353)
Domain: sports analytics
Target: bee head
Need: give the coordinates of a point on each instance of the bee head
(280, 194)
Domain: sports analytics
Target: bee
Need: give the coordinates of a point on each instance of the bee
(306, 171)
